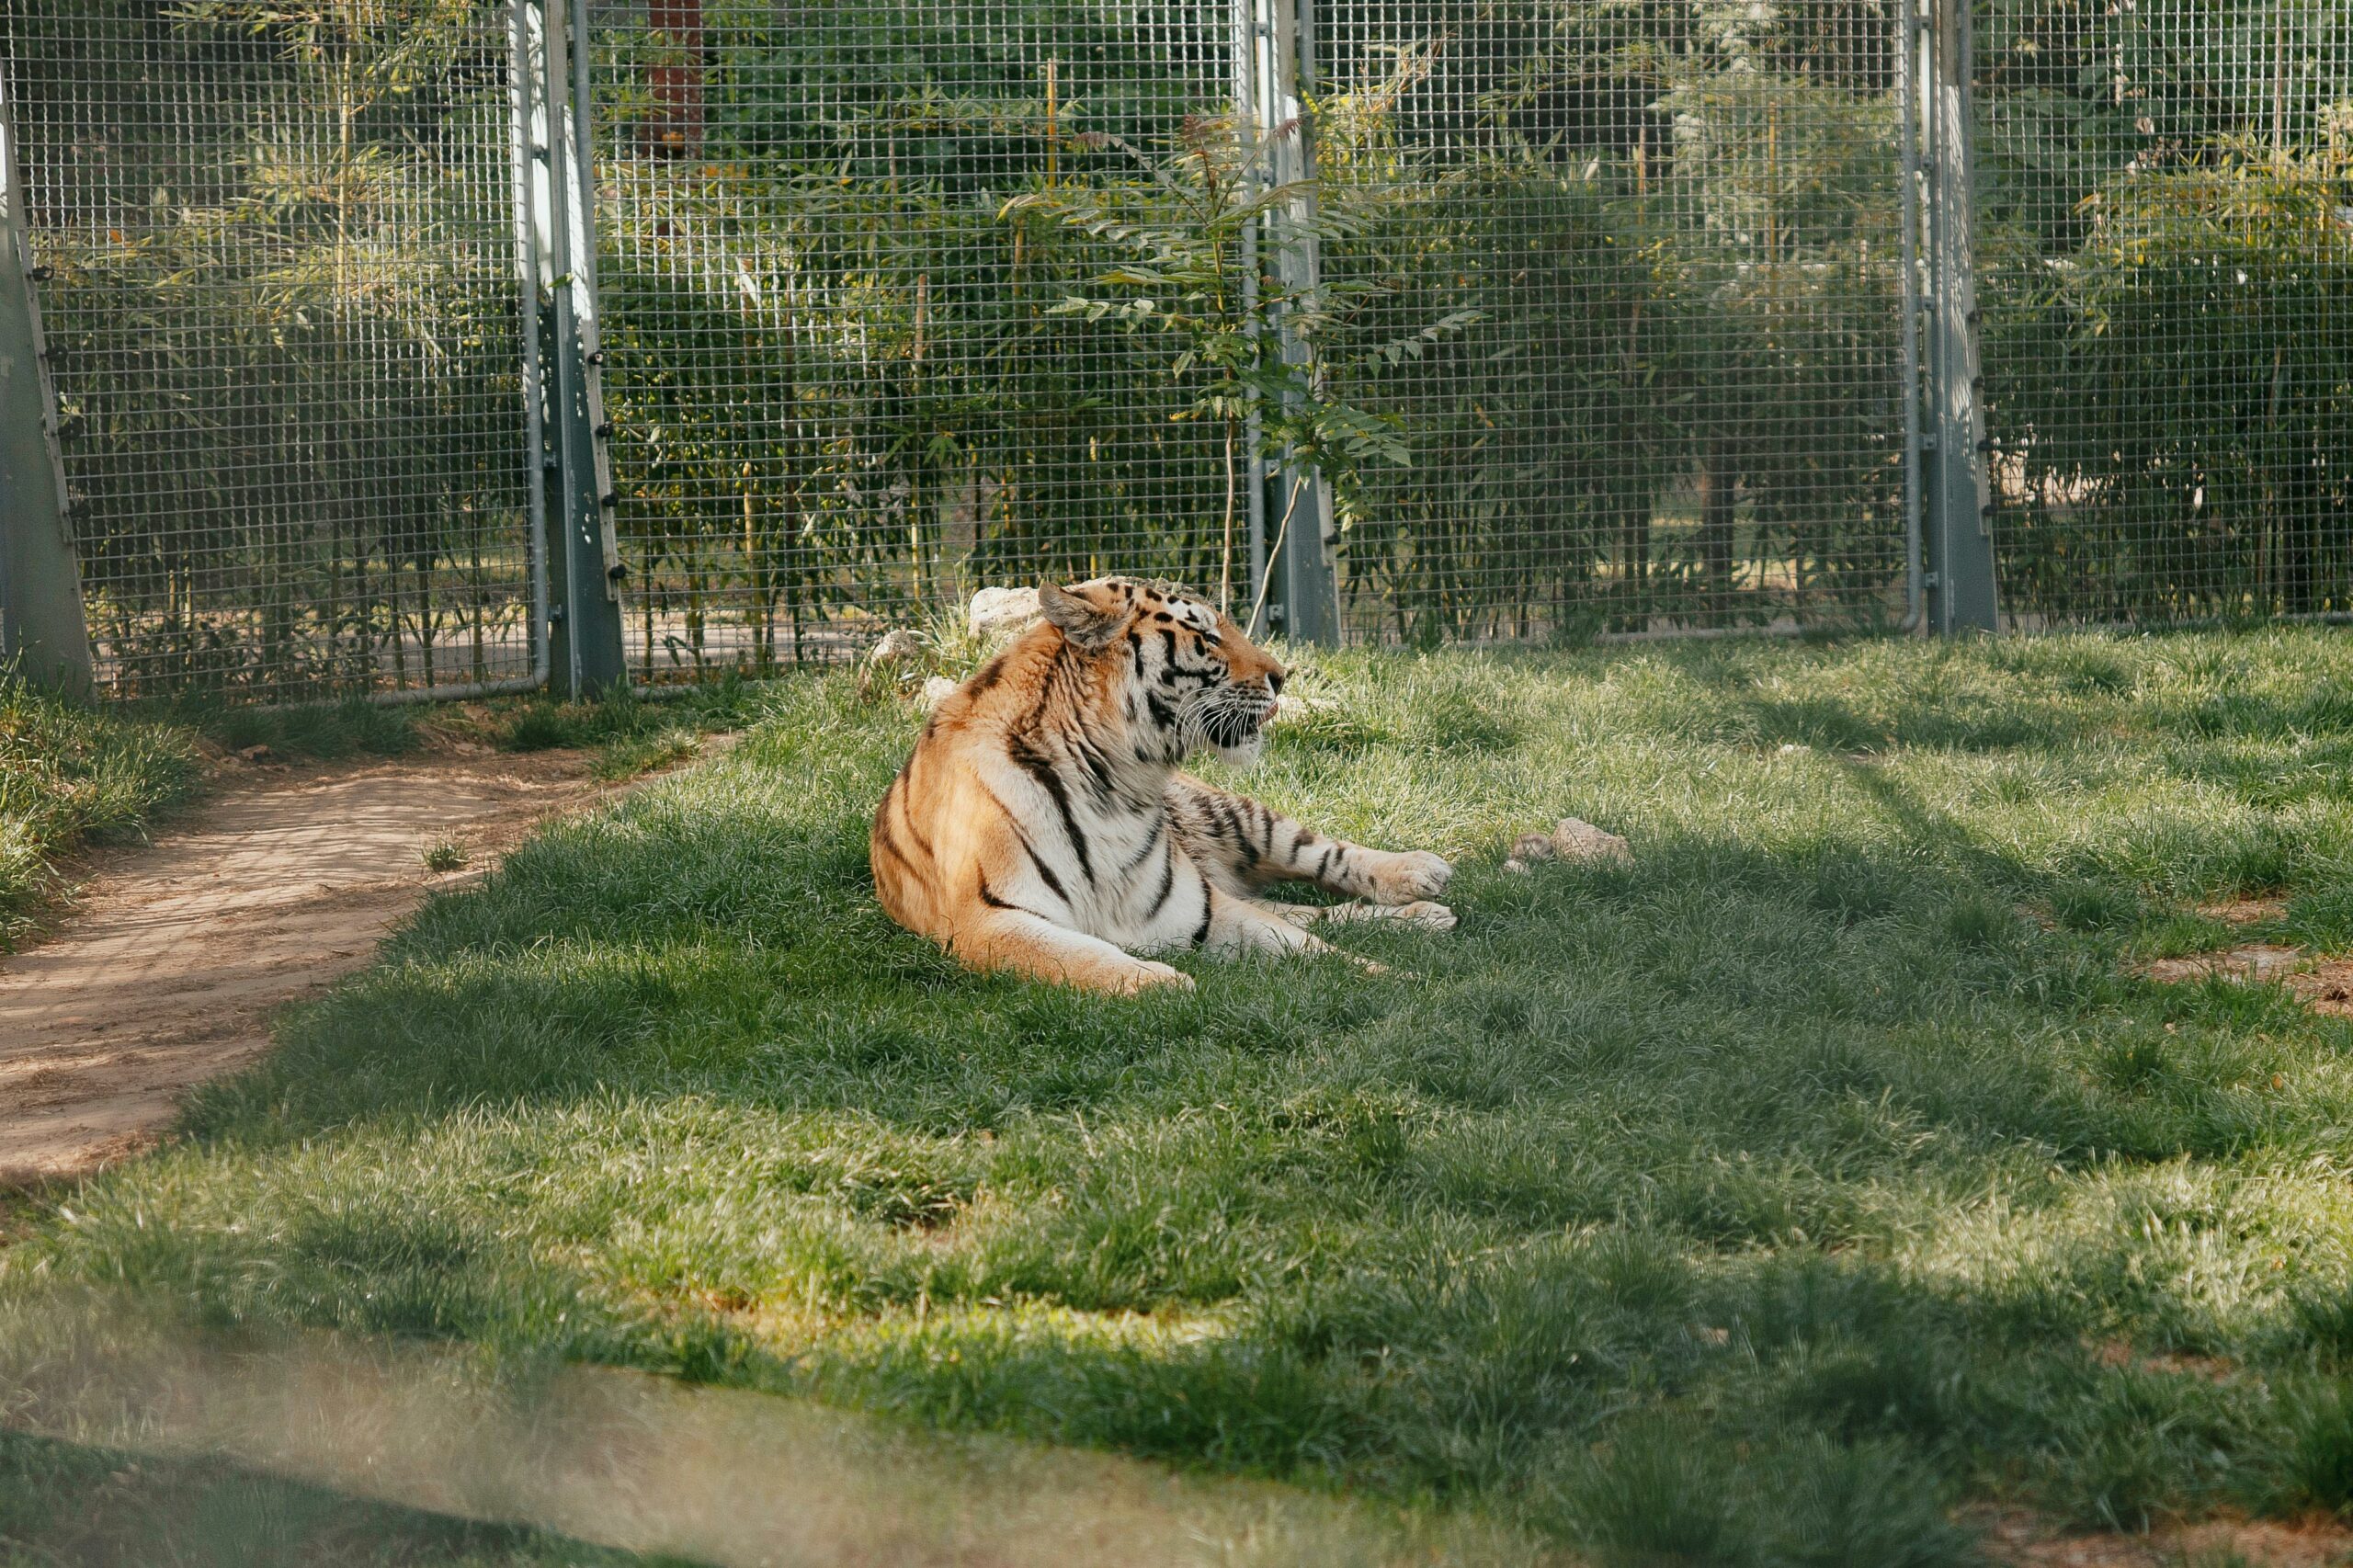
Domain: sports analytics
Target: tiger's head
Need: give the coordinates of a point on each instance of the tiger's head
(1179, 670)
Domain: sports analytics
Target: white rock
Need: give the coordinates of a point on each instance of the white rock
(896, 647)
(936, 690)
(1000, 612)
(1794, 748)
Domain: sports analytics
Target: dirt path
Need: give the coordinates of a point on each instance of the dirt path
(175, 954)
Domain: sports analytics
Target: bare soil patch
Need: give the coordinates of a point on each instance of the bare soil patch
(2325, 983)
(2258, 961)
(2029, 1542)
(166, 968)
(2245, 911)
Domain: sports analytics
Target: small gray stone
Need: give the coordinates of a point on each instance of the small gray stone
(936, 690)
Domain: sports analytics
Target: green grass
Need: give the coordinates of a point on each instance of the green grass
(61, 1503)
(629, 735)
(1755, 1202)
(309, 732)
(70, 774)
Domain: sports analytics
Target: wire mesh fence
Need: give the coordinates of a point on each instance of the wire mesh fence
(2166, 218)
(277, 254)
(1621, 290)
(839, 385)
(1592, 317)
(1671, 233)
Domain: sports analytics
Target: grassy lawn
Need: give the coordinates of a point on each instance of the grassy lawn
(67, 774)
(1762, 1201)
(72, 775)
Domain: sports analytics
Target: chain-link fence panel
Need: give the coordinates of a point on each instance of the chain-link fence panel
(278, 281)
(1630, 280)
(843, 383)
(900, 298)
(1603, 332)
(2165, 234)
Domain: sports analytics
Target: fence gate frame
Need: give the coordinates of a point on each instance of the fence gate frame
(575, 589)
(1956, 577)
(577, 612)
(1293, 537)
(42, 627)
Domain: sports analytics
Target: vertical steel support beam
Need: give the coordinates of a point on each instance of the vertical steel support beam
(533, 199)
(1911, 72)
(1247, 128)
(1304, 603)
(42, 626)
(1959, 575)
(583, 566)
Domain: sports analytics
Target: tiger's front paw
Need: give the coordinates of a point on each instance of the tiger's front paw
(1405, 879)
(1149, 972)
(1428, 916)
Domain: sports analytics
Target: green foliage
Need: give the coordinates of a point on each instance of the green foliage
(1605, 337)
(1201, 247)
(2167, 253)
(1574, 270)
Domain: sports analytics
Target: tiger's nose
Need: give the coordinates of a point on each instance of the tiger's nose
(1274, 682)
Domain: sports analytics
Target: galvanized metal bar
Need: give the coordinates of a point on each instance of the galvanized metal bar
(42, 629)
(1306, 595)
(1246, 130)
(585, 629)
(1910, 77)
(529, 133)
(1960, 578)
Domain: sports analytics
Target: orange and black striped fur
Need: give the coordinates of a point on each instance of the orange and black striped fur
(1043, 826)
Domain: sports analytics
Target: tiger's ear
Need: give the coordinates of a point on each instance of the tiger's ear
(1085, 625)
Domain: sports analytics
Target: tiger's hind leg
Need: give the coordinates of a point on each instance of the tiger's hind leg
(1030, 944)
(1247, 846)
(1421, 912)
(1238, 926)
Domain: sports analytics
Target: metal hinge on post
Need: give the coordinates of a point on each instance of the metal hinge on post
(1960, 577)
(564, 371)
(1292, 518)
(43, 633)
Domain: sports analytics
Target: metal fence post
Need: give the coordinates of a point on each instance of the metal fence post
(41, 625)
(1304, 601)
(582, 556)
(1959, 575)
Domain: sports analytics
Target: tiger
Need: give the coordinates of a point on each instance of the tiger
(1041, 825)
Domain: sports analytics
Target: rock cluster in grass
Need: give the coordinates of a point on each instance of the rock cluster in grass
(1573, 840)
(906, 662)
(894, 663)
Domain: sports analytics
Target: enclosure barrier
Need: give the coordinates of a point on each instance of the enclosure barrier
(443, 346)
(274, 249)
